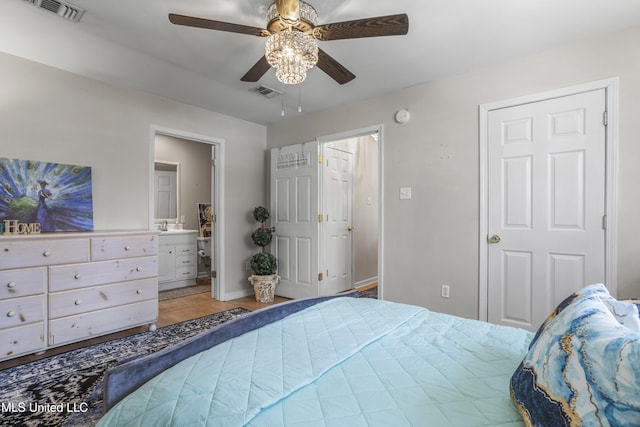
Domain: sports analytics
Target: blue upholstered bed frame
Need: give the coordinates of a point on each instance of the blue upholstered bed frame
(130, 374)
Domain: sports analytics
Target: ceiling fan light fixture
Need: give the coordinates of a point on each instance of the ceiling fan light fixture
(295, 13)
(292, 53)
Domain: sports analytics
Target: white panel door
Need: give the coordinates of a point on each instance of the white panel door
(546, 205)
(337, 200)
(294, 213)
(166, 194)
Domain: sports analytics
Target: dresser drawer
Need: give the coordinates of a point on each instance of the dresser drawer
(74, 328)
(89, 299)
(66, 277)
(20, 283)
(123, 247)
(186, 250)
(185, 261)
(21, 311)
(22, 340)
(32, 253)
(188, 272)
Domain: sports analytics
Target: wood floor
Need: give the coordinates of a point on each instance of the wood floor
(169, 312)
(194, 306)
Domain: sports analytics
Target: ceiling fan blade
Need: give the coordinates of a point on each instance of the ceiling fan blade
(391, 25)
(257, 71)
(333, 68)
(191, 21)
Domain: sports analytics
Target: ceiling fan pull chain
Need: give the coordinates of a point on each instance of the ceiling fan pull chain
(299, 98)
(282, 111)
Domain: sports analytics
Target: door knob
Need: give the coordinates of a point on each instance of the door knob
(494, 239)
(349, 228)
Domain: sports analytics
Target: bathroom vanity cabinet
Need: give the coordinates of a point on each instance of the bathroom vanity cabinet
(177, 259)
(60, 288)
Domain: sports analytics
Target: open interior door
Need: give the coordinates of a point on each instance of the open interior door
(337, 208)
(294, 214)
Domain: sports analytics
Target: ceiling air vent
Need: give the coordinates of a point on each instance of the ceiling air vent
(60, 8)
(266, 91)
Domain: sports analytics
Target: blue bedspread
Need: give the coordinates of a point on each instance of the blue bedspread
(342, 362)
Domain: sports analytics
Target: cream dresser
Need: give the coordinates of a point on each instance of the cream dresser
(59, 288)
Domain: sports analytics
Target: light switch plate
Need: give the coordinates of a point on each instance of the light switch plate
(405, 193)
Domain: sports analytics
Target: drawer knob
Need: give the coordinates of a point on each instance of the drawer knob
(11, 313)
(139, 291)
(76, 276)
(126, 248)
(78, 302)
(11, 285)
(138, 268)
(46, 253)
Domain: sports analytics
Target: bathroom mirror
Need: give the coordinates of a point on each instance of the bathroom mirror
(166, 179)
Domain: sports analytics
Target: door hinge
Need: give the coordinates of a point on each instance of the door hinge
(604, 222)
(319, 277)
(214, 274)
(605, 118)
(213, 162)
(320, 217)
(320, 158)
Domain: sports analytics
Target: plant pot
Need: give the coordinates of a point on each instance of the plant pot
(264, 287)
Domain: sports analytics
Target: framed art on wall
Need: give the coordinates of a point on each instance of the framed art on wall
(205, 214)
(47, 197)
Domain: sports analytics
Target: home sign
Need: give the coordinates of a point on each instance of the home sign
(13, 227)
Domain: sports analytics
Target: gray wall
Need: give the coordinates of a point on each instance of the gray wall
(433, 238)
(56, 116)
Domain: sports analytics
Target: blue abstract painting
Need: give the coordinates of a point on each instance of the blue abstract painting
(57, 196)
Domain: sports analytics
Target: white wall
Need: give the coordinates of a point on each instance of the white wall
(433, 238)
(56, 116)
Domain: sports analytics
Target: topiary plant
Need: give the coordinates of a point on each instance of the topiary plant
(261, 214)
(263, 263)
(262, 237)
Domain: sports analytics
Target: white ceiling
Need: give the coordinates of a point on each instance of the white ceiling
(203, 67)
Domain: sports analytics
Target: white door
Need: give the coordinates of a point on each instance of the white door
(294, 213)
(166, 194)
(337, 209)
(215, 289)
(546, 205)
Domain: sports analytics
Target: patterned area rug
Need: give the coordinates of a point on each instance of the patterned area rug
(66, 389)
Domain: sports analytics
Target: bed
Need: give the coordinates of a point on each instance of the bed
(343, 361)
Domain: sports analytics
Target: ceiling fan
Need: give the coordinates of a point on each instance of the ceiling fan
(293, 33)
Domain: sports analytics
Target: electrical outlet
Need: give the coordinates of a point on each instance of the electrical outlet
(405, 193)
(444, 292)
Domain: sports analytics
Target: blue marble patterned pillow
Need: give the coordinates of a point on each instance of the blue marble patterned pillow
(583, 365)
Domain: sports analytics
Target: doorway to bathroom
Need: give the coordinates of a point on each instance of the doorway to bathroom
(191, 196)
